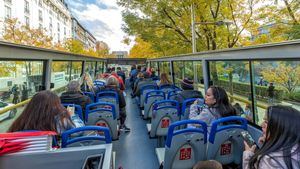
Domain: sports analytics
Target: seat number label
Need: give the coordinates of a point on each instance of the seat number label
(185, 153)
(225, 149)
(165, 123)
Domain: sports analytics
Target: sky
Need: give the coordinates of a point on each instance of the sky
(103, 19)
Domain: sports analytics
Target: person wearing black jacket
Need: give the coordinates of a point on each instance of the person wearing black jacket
(112, 83)
(73, 95)
(188, 91)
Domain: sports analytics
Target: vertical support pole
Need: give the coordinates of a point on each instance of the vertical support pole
(193, 29)
(48, 68)
(205, 69)
(172, 72)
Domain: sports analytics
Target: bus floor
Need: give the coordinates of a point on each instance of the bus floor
(134, 149)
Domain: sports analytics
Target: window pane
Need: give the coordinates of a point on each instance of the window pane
(234, 77)
(19, 80)
(276, 82)
(76, 70)
(90, 68)
(178, 72)
(164, 67)
(60, 74)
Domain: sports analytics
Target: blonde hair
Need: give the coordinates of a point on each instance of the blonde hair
(112, 81)
(164, 79)
(86, 78)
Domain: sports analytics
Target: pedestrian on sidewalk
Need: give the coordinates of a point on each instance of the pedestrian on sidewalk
(271, 91)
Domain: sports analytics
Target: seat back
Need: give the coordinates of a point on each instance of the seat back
(168, 87)
(151, 97)
(78, 109)
(145, 89)
(164, 114)
(185, 109)
(185, 147)
(68, 141)
(99, 83)
(91, 95)
(173, 93)
(225, 142)
(109, 96)
(102, 114)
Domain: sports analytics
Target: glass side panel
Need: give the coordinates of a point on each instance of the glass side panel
(234, 77)
(276, 82)
(164, 67)
(178, 72)
(188, 70)
(19, 80)
(76, 70)
(199, 77)
(90, 68)
(60, 75)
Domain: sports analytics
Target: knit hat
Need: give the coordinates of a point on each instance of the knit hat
(187, 84)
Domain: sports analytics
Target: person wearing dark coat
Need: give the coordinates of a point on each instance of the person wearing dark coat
(73, 95)
(112, 83)
(188, 91)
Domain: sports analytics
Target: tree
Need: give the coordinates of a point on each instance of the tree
(102, 49)
(142, 49)
(21, 34)
(284, 74)
(74, 46)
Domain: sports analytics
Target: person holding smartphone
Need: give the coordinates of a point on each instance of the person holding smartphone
(280, 141)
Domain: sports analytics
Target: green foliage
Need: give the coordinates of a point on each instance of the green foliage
(244, 89)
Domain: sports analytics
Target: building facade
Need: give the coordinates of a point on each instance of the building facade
(83, 35)
(52, 15)
(120, 54)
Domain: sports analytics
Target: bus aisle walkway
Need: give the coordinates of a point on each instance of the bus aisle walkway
(135, 150)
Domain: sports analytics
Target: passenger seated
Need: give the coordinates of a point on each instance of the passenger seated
(164, 80)
(209, 164)
(44, 112)
(216, 106)
(188, 91)
(248, 113)
(112, 83)
(73, 95)
(281, 141)
(238, 108)
(87, 84)
(102, 77)
(121, 82)
(146, 81)
(139, 78)
(153, 75)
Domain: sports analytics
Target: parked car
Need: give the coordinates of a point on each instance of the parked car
(9, 114)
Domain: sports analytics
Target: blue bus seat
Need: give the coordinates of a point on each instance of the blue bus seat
(173, 93)
(184, 147)
(91, 95)
(168, 87)
(185, 109)
(68, 141)
(111, 97)
(145, 89)
(164, 114)
(151, 97)
(78, 109)
(225, 142)
(102, 114)
(99, 83)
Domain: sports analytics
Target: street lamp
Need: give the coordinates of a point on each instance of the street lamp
(217, 23)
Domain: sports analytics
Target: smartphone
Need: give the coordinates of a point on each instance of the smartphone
(248, 138)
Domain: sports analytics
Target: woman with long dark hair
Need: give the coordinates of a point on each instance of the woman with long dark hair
(281, 141)
(217, 105)
(44, 112)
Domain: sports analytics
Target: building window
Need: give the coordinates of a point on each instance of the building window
(26, 7)
(41, 3)
(7, 1)
(58, 27)
(7, 12)
(65, 31)
(40, 15)
(27, 21)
